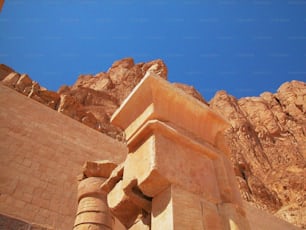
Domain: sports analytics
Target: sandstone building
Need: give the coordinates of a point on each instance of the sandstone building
(164, 163)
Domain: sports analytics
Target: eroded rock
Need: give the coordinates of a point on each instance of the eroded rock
(267, 138)
(267, 142)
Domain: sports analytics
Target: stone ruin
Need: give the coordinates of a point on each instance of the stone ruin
(265, 143)
(177, 174)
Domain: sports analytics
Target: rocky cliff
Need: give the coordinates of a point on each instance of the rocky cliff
(267, 137)
(268, 146)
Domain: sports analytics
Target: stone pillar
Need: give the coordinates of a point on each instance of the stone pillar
(177, 170)
(93, 212)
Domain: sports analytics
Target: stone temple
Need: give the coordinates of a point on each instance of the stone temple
(172, 172)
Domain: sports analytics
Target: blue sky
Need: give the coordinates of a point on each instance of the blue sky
(243, 47)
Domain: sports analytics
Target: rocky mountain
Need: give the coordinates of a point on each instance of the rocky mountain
(267, 138)
(93, 98)
(268, 146)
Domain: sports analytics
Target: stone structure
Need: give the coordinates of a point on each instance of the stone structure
(268, 148)
(177, 174)
(266, 142)
(41, 155)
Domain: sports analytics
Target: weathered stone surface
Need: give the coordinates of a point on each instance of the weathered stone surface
(119, 70)
(4, 69)
(99, 82)
(234, 216)
(171, 150)
(113, 179)
(92, 99)
(11, 79)
(92, 204)
(268, 147)
(90, 187)
(48, 98)
(156, 68)
(101, 168)
(93, 212)
(98, 218)
(260, 219)
(122, 206)
(210, 216)
(266, 141)
(41, 153)
(68, 106)
(24, 84)
(10, 223)
(191, 91)
(167, 100)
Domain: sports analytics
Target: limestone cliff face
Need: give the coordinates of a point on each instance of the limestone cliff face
(267, 138)
(268, 146)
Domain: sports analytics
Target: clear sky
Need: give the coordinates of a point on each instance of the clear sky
(244, 47)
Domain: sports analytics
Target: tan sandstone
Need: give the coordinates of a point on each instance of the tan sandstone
(266, 139)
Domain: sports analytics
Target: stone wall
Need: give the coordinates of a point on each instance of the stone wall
(266, 138)
(261, 220)
(10, 223)
(41, 154)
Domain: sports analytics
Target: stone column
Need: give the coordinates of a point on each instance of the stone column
(93, 212)
(178, 169)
